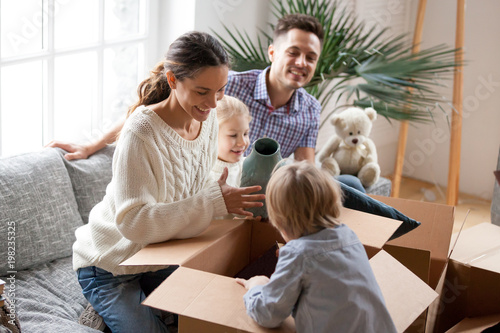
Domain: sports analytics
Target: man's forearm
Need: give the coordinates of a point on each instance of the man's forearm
(304, 153)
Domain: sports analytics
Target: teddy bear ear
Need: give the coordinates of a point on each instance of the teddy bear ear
(371, 113)
(337, 120)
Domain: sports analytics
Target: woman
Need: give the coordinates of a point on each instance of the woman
(161, 186)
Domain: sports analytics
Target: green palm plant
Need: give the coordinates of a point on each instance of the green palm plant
(400, 85)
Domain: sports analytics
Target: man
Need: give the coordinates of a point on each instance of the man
(281, 109)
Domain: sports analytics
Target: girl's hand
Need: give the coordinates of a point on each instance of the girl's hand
(237, 199)
(258, 280)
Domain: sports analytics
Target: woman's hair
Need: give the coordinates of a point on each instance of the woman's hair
(229, 107)
(186, 56)
(298, 21)
(302, 199)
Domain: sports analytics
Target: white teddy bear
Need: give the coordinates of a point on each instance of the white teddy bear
(350, 151)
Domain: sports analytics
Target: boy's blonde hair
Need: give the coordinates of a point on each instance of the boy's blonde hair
(301, 199)
(229, 107)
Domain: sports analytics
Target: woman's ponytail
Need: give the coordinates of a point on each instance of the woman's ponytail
(186, 56)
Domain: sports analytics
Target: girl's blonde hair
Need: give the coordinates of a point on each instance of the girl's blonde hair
(302, 199)
(229, 107)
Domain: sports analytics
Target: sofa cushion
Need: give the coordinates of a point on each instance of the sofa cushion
(381, 187)
(38, 212)
(89, 178)
(49, 298)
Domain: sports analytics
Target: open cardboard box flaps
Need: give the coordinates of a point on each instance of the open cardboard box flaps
(432, 236)
(470, 287)
(204, 294)
(209, 300)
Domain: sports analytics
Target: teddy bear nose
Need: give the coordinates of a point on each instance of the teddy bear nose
(354, 141)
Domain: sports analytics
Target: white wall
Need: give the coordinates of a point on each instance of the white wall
(174, 18)
(179, 16)
(245, 15)
(428, 146)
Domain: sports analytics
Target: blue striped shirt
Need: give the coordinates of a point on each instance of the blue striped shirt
(326, 282)
(293, 125)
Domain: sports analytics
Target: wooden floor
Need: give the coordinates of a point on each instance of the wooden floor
(479, 209)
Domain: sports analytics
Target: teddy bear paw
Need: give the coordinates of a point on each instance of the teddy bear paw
(330, 164)
(369, 174)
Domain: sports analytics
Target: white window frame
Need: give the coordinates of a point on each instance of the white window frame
(149, 39)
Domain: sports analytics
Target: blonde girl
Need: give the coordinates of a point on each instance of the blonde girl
(233, 140)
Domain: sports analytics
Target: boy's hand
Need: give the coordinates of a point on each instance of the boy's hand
(256, 218)
(258, 280)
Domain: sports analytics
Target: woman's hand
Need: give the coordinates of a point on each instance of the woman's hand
(258, 280)
(237, 199)
(75, 151)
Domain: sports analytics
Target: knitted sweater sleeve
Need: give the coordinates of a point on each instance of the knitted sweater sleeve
(148, 207)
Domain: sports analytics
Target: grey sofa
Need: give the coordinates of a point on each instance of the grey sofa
(43, 199)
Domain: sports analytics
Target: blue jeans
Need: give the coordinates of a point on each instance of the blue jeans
(118, 298)
(351, 181)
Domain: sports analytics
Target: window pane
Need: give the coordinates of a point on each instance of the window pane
(123, 18)
(22, 110)
(75, 96)
(23, 24)
(121, 67)
(76, 23)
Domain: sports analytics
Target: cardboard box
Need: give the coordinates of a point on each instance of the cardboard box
(209, 302)
(476, 325)
(431, 239)
(424, 251)
(470, 287)
(224, 248)
(206, 297)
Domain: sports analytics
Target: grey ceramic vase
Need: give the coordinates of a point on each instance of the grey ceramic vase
(258, 167)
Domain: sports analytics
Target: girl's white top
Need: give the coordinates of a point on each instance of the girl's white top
(235, 171)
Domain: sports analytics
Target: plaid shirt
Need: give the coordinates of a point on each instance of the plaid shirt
(293, 125)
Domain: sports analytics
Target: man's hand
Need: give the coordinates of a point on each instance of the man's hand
(304, 153)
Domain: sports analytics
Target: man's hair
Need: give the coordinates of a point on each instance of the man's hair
(298, 21)
(302, 199)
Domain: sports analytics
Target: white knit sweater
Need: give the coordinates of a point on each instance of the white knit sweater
(235, 171)
(160, 190)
